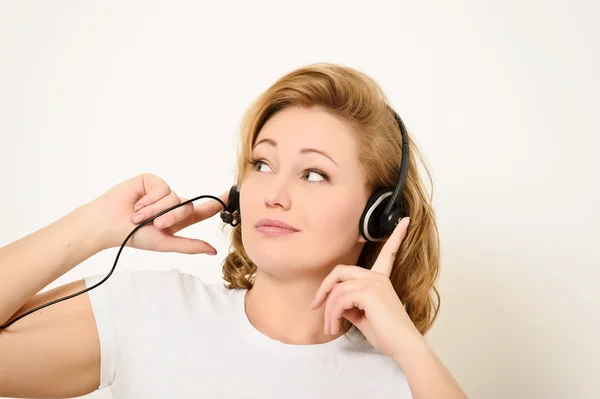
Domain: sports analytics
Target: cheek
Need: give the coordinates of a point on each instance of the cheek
(249, 200)
(339, 218)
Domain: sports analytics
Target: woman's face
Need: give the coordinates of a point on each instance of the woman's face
(307, 175)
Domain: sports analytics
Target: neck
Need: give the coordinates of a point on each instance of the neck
(280, 309)
(278, 305)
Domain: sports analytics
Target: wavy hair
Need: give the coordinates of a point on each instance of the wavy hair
(358, 99)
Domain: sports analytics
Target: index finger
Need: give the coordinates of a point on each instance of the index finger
(387, 255)
(207, 209)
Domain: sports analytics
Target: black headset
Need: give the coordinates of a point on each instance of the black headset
(383, 211)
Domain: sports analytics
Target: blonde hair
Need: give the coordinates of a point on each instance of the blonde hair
(358, 99)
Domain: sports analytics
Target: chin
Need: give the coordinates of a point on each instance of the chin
(277, 257)
(268, 253)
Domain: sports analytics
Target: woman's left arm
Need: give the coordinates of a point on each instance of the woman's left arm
(367, 299)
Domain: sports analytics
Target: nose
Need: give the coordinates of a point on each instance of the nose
(277, 194)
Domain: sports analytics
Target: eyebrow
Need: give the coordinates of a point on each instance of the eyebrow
(302, 151)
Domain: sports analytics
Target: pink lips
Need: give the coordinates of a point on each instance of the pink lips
(274, 227)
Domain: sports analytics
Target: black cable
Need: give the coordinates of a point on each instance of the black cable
(116, 259)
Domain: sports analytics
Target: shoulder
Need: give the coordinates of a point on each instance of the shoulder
(160, 289)
(170, 279)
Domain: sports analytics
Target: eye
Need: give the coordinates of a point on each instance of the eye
(318, 174)
(257, 164)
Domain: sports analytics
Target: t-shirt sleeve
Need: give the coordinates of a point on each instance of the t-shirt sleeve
(121, 305)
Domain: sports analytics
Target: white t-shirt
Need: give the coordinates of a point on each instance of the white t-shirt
(166, 334)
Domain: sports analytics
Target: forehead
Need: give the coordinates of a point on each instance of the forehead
(294, 128)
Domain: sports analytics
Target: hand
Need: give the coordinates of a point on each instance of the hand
(147, 195)
(368, 300)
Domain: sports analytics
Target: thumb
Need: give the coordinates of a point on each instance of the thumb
(186, 245)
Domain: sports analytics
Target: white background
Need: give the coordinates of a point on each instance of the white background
(500, 97)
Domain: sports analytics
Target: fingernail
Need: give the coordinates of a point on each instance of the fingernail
(211, 253)
(160, 223)
(138, 207)
(138, 218)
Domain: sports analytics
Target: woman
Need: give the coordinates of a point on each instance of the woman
(311, 309)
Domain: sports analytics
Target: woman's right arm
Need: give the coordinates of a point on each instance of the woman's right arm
(53, 352)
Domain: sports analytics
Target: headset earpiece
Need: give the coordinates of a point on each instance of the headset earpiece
(231, 214)
(375, 224)
(370, 227)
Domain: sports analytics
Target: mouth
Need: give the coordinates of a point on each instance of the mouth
(274, 227)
